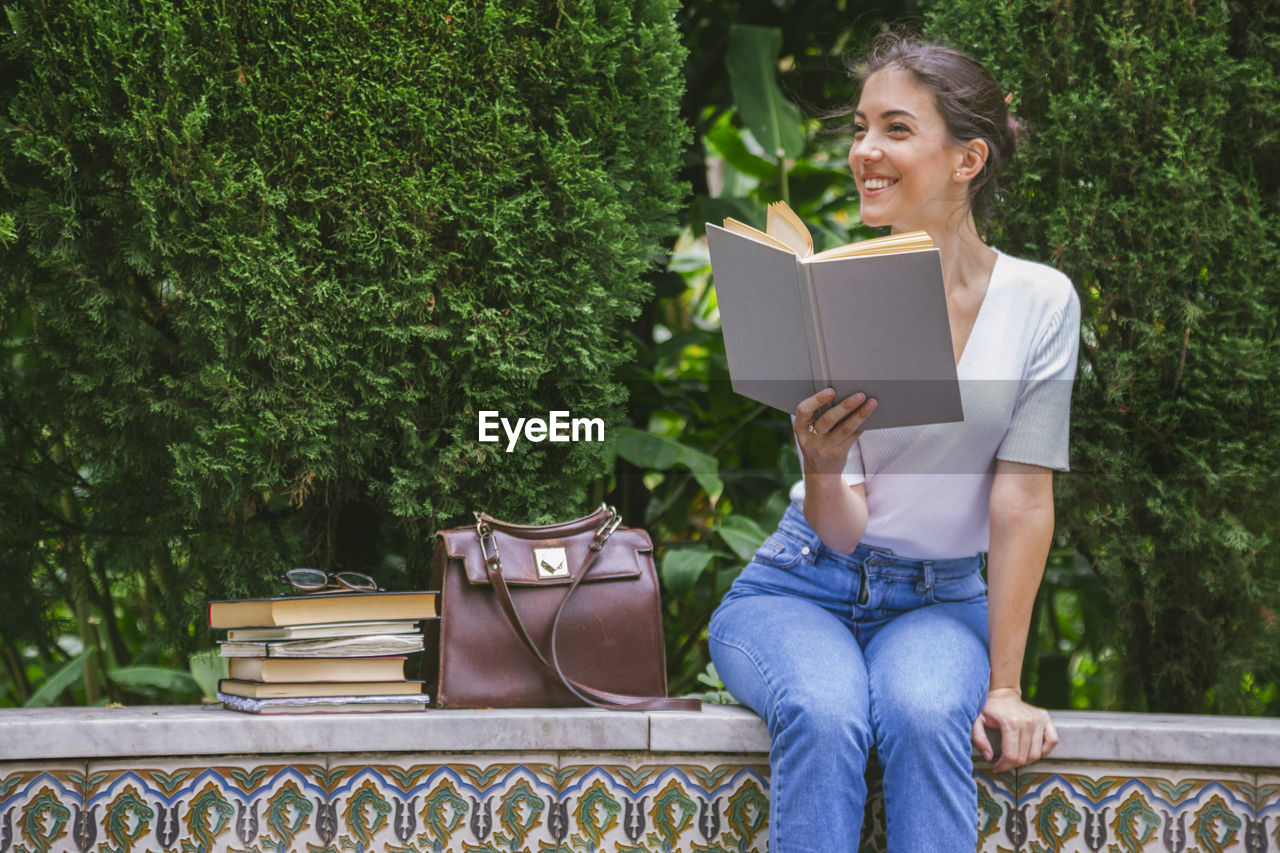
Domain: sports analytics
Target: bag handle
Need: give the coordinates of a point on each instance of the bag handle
(589, 695)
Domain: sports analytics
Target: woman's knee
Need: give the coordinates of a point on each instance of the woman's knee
(828, 715)
(931, 719)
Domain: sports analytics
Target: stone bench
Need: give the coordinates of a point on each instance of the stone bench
(205, 779)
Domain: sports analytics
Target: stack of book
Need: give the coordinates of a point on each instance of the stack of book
(322, 652)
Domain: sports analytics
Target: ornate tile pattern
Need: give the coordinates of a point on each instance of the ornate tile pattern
(998, 817)
(467, 802)
(264, 804)
(42, 807)
(1262, 832)
(584, 803)
(1132, 809)
(687, 803)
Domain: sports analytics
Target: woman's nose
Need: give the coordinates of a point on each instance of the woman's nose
(864, 150)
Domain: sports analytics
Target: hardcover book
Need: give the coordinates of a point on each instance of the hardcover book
(321, 607)
(324, 629)
(316, 669)
(323, 704)
(261, 690)
(869, 316)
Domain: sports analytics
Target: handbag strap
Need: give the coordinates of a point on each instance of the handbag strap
(589, 695)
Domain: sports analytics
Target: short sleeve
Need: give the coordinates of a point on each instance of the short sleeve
(1039, 430)
(853, 471)
(852, 474)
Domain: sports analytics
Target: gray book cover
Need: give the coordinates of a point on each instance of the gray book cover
(874, 324)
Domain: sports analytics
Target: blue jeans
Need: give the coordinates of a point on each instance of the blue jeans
(843, 653)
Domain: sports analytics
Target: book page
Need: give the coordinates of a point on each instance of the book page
(911, 241)
(745, 230)
(783, 224)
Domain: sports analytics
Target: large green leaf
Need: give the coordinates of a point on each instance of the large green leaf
(59, 681)
(742, 534)
(647, 450)
(706, 209)
(151, 679)
(680, 567)
(753, 78)
(207, 668)
(726, 140)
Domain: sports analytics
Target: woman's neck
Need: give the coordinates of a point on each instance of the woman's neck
(966, 259)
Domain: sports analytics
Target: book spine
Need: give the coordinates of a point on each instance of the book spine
(818, 368)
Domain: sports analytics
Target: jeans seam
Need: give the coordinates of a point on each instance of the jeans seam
(773, 699)
(764, 676)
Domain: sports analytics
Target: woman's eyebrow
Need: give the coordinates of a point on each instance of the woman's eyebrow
(887, 113)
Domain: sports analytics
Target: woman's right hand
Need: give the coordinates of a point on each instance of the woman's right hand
(825, 441)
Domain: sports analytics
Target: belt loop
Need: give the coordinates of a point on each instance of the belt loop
(928, 575)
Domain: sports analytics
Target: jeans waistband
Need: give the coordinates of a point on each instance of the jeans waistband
(794, 523)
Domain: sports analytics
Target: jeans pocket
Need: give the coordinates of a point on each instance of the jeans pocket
(964, 587)
(781, 551)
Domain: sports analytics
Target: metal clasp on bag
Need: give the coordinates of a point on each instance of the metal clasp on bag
(605, 530)
(551, 562)
(490, 557)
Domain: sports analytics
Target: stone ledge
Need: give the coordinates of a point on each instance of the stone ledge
(91, 733)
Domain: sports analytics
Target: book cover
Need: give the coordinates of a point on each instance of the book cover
(316, 669)
(322, 607)
(262, 690)
(323, 629)
(323, 704)
(869, 317)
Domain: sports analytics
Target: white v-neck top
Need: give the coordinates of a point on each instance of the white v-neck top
(928, 487)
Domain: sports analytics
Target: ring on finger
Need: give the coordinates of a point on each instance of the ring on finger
(813, 429)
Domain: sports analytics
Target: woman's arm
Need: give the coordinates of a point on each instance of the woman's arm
(836, 511)
(1021, 532)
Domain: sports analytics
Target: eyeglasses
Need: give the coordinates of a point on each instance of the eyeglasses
(314, 580)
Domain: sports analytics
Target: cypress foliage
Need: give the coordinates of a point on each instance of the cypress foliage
(264, 263)
(1151, 179)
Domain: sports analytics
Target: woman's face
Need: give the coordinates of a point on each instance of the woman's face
(903, 161)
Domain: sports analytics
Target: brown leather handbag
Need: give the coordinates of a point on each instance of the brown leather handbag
(553, 615)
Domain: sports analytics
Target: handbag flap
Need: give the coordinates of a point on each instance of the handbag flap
(529, 558)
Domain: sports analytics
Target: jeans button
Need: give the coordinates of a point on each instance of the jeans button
(805, 550)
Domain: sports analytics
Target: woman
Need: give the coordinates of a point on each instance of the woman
(863, 624)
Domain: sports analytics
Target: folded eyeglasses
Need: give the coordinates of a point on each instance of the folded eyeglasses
(315, 580)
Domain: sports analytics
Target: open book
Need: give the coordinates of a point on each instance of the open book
(870, 316)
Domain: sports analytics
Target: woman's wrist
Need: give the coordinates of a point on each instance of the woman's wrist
(1015, 692)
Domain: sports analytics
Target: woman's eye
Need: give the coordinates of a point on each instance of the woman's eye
(899, 128)
(858, 131)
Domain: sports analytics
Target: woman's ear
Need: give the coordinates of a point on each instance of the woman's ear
(973, 156)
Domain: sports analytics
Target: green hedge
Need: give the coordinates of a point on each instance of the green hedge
(264, 263)
(1152, 180)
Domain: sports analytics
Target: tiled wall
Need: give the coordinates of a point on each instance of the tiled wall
(399, 803)
(582, 803)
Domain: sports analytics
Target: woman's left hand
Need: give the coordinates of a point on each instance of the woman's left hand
(1026, 732)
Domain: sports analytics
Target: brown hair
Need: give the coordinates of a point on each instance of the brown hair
(970, 101)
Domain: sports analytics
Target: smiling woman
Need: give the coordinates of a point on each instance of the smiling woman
(864, 623)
